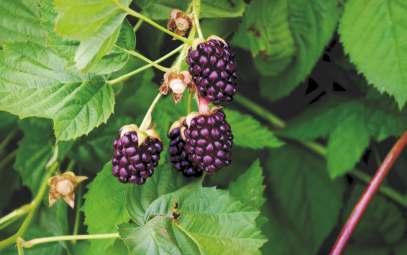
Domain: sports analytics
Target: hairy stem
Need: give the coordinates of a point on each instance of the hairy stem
(36, 241)
(142, 68)
(368, 195)
(317, 148)
(151, 22)
(142, 57)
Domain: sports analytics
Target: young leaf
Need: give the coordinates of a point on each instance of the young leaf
(209, 221)
(36, 82)
(303, 200)
(375, 43)
(249, 187)
(105, 207)
(312, 23)
(265, 31)
(95, 24)
(249, 133)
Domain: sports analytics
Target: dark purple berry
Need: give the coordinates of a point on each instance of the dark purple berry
(208, 141)
(213, 70)
(134, 163)
(178, 155)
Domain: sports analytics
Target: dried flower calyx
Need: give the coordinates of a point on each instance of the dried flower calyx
(63, 186)
(176, 82)
(179, 22)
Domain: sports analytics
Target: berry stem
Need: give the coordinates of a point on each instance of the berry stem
(142, 57)
(14, 215)
(368, 195)
(203, 105)
(151, 22)
(31, 243)
(145, 124)
(142, 68)
(137, 25)
(196, 7)
(317, 148)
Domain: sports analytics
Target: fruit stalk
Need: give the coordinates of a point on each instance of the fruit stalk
(368, 195)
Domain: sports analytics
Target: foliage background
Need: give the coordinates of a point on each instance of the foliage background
(334, 71)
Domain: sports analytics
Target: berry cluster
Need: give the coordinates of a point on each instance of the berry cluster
(213, 70)
(200, 142)
(133, 161)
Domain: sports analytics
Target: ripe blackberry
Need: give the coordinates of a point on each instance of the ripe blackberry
(213, 70)
(178, 155)
(136, 154)
(209, 140)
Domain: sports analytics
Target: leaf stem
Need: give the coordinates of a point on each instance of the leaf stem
(36, 241)
(317, 148)
(151, 22)
(145, 124)
(145, 59)
(7, 159)
(368, 195)
(142, 68)
(137, 25)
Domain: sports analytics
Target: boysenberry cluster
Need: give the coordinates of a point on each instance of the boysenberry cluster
(213, 70)
(134, 160)
(178, 155)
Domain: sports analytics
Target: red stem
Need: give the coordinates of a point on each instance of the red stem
(367, 195)
(203, 105)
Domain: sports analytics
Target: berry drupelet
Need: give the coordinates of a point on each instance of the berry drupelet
(177, 153)
(136, 154)
(213, 70)
(208, 140)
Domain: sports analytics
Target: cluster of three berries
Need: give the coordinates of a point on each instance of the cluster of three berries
(199, 142)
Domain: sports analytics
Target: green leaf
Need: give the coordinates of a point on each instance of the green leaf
(249, 187)
(34, 151)
(21, 21)
(249, 133)
(165, 180)
(210, 222)
(34, 81)
(104, 207)
(312, 23)
(383, 222)
(265, 31)
(374, 34)
(349, 126)
(160, 9)
(303, 199)
(95, 24)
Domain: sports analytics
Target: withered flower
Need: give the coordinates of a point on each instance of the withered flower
(64, 185)
(179, 22)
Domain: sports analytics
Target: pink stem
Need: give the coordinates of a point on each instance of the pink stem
(367, 195)
(203, 105)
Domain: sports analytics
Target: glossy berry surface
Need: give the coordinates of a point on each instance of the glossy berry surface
(209, 141)
(178, 155)
(133, 163)
(213, 70)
